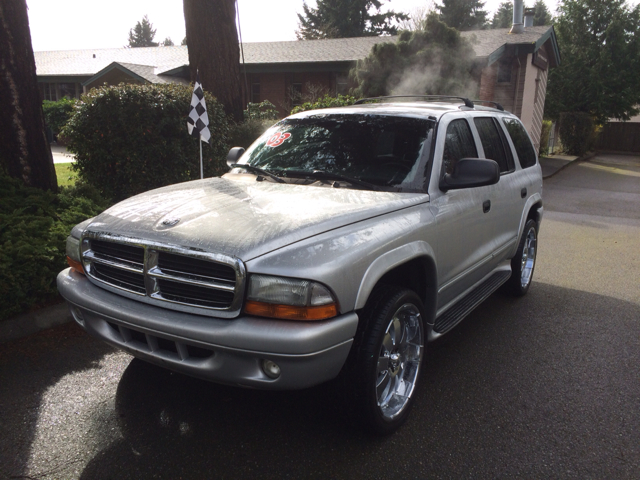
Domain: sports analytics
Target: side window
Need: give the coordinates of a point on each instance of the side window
(524, 149)
(458, 144)
(494, 148)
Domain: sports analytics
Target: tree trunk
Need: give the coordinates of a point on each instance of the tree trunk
(212, 40)
(24, 150)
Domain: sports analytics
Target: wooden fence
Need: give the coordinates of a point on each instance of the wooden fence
(620, 137)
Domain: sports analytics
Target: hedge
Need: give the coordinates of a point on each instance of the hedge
(325, 102)
(132, 138)
(34, 225)
(577, 132)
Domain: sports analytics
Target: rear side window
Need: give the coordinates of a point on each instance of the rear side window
(524, 149)
(492, 143)
(458, 144)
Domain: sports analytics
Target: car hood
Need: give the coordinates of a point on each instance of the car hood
(243, 219)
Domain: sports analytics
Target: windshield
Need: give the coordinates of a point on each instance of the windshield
(384, 151)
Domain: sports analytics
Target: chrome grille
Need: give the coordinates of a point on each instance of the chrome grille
(171, 277)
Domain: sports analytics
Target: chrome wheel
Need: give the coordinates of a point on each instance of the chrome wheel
(528, 258)
(399, 360)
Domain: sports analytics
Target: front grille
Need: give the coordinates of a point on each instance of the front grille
(171, 277)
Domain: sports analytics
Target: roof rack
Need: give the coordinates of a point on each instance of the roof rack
(467, 102)
(496, 104)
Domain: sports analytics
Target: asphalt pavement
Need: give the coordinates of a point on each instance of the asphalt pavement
(546, 386)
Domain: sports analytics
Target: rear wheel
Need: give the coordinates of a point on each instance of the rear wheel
(524, 261)
(386, 359)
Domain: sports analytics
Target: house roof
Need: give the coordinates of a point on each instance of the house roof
(151, 62)
(141, 72)
(491, 44)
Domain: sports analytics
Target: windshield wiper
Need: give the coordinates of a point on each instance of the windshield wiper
(321, 174)
(257, 170)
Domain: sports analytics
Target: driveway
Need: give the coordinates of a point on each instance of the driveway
(546, 386)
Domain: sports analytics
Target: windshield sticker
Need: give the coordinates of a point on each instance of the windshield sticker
(278, 139)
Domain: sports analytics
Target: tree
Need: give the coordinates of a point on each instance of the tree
(418, 17)
(214, 51)
(24, 151)
(167, 42)
(436, 60)
(542, 15)
(463, 14)
(142, 34)
(503, 18)
(346, 18)
(600, 45)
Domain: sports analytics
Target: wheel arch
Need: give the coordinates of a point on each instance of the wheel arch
(410, 266)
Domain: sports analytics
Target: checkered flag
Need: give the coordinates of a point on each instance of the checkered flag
(198, 121)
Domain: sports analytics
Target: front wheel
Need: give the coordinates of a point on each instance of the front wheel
(386, 359)
(524, 261)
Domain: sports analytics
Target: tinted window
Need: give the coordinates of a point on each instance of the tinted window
(458, 144)
(520, 139)
(383, 150)
(492, 144)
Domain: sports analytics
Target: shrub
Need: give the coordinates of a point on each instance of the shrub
(326, 102)
(132, 138)
(577, 132)
(245, 133)
(544, 137)
(264, 110)
(34, 225)
(57, 114)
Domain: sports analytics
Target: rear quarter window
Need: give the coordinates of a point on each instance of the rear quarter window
(524, 148)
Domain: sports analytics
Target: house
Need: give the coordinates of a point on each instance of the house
(514, 72)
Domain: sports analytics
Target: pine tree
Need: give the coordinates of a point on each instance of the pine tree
(503, 18)
(214, 51)
(24, 151)
(142, 34)
(346, 18)
(542, 15)
(167, 42)
(600, 45)
(463, 14)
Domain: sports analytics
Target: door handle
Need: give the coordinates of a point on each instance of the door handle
(486, 206)
(523, 192)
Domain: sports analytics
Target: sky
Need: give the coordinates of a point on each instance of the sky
(91, 24)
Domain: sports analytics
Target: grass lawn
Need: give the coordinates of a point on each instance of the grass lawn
(66, 176)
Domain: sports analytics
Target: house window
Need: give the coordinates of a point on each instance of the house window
(255, 93)
(504, 71)
(342, 86)
(296, 94)
(67, 90)
(48, 91)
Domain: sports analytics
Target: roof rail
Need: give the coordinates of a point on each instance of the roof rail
(467, 102)
(496, 104)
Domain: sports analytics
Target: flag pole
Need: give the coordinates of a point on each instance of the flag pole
(200, 142)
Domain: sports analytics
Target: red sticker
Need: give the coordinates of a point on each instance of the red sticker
(277, 139)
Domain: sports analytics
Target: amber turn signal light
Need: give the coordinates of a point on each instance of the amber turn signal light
(288, 312)
(77, 266)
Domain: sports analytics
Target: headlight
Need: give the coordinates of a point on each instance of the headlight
(290, 299)
(73, 254)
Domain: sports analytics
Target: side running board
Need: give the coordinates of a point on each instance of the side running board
(455, 314)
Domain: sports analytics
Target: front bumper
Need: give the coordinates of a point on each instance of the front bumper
(229, 351)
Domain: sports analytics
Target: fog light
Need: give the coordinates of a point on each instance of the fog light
(77, 315)
(270, 369)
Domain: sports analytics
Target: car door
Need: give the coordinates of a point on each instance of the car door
(506, 199)
(464, 239)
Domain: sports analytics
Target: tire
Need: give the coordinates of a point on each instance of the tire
(524, 261)
(384, 365)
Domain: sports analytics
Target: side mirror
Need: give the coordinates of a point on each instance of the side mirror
(471, 172)
(234, 155)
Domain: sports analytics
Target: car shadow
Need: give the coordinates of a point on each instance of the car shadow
(523, 387)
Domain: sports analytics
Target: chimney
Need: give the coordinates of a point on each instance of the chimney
(518, 7)
(528, 16)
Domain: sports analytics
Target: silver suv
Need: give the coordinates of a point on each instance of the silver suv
(338, 245)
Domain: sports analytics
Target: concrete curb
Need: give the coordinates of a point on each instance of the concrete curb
(32, 322)
(585, 157)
